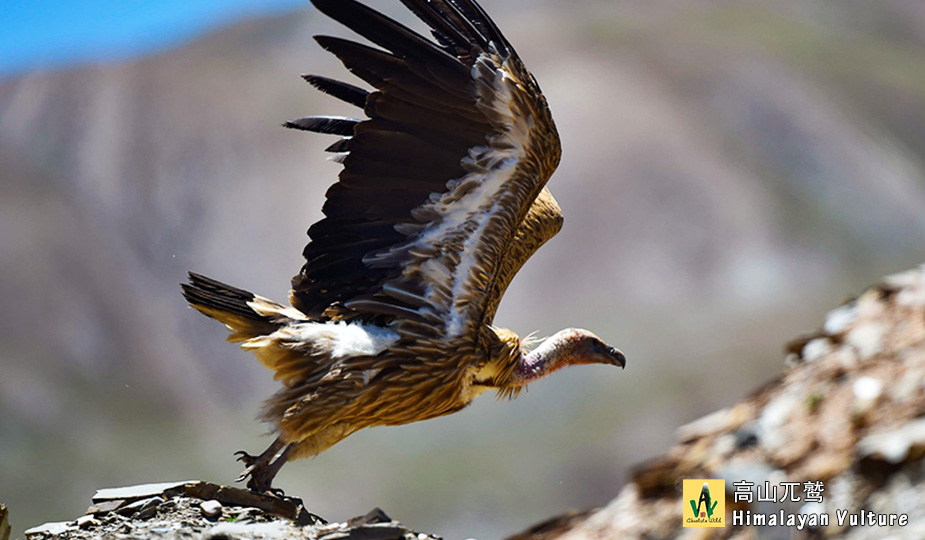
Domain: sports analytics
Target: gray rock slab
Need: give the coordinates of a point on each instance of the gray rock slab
(52, 528)
(106, 506)
(142, 491)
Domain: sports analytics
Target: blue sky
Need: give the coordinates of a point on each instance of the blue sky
(52, 33)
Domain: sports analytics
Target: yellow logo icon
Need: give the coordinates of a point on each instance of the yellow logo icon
(704, 503)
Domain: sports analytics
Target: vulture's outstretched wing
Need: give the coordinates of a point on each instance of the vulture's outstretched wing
(438, 179)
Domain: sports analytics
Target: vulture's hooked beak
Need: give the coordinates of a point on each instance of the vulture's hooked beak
(616, 357)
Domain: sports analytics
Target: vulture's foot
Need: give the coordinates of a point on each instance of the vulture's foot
(260, 470)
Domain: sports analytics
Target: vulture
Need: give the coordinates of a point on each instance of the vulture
(440, 201)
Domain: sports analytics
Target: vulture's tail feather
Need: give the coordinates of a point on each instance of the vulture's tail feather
(245, 314)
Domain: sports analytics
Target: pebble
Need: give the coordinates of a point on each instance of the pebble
(867, 390)
(87, 521)
(142, 509)
(211, 508)
(816, 349)
(894, 446)
(105, 507)
(867, 339)
(840, 319)
(775, 414)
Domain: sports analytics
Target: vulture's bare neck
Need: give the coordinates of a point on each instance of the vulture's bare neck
(565, 348)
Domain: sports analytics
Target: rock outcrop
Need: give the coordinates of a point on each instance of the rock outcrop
(848, 411)
(193, 509)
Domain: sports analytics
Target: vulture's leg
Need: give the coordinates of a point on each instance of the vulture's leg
(262, 469)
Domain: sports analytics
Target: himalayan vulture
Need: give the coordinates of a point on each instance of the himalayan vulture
(440, 201)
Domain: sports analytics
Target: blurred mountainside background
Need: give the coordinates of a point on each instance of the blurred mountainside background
(731, 170)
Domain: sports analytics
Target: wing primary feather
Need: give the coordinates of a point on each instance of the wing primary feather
(382, 30)
(353, 95)
(324, 124)
(452, 13)
(340, 146)
(452, 28)
(474, 13)
(382, 69)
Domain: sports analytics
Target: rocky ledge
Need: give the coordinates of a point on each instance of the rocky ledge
(190, 510)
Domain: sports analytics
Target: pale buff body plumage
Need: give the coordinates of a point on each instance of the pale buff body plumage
(401, 329)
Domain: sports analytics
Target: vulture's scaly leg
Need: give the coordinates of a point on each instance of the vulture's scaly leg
(262, 469)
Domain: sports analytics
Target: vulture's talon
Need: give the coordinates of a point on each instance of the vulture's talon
(244, 475)
(245, 458)
(276, 492)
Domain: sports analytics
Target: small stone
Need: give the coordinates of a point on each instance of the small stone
(87, 521)
(846, 358)
(142, 509)
(146, 513)
(816, 349)
(811, 508)
(867, 339)
(867, 388)
(773, 417)
(894, 446)
(839, 319)
(867, 391)
(211, 508)
(106, 506)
